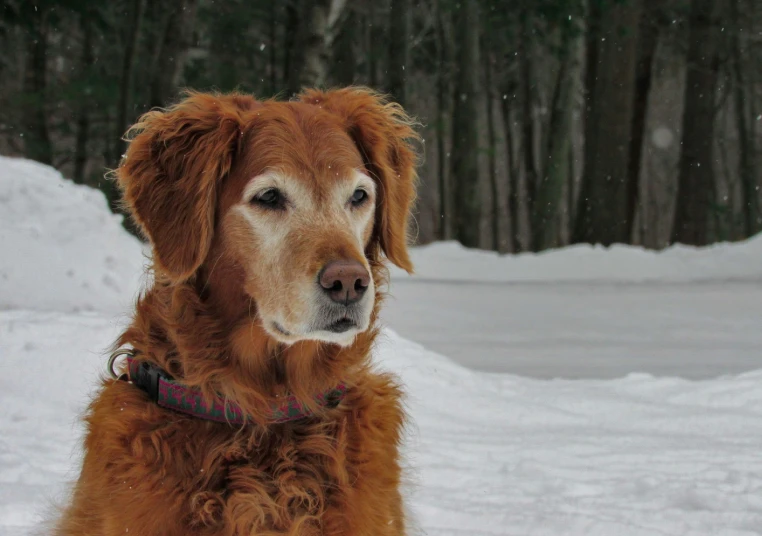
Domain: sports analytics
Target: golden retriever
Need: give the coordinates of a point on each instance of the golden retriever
(270, 224)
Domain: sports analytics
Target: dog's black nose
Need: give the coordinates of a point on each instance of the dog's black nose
(344, 281)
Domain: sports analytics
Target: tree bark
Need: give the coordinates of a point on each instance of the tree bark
(514, 174)
(743, 98)
(177, 40)
(695, 190)
(601, 216)
(83, 114)
(465, 165)
(273, 67)
(648, 40)
(37, 143)
(398, 66)
(309, 54)
(127, 79)
(444, 96)
(491, 150)
(527, 102)
(375, 37)
(546, 209)
(344, 65)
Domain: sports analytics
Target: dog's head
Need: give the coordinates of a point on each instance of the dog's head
(281, 208)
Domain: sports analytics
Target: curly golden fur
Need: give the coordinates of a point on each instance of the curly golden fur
(151, 471)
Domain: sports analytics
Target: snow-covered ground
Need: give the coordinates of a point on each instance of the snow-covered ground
(62, 249)
(489, 454)
(696, 330)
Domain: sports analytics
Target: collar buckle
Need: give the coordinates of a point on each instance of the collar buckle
(147, 376)
(112, 361)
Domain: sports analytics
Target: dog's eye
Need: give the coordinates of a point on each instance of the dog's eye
(359, 197)
(271, 198)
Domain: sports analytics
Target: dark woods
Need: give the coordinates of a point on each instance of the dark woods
(546, 122)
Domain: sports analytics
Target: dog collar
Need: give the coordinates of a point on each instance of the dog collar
(169, 393)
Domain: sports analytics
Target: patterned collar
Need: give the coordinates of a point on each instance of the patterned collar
(171, 394)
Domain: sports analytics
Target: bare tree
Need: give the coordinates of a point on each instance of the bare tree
(83, 114)
(695, 191)
(399, 49)
(743, 99)
(128, 76)
(648, 40)
(173, 50)
(466, 114)
(558, 172)
(444, 55)
(37, 134)
(313, 23)
(601, 216)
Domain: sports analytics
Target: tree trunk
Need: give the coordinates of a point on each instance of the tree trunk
(648, 40)
(177, 40)
(128, 75)
(514, 174)
(83, 114)
(695, 190)
(344, 65)
(592, 36)
(290, 45)
(492, 149)
(399, 49)
(444, 96)
(273, 67)
(743, 98)
(309, 54)
(527, 102)
(546, 209)
(601, 216)
(37, 143)
(375, 37)
(466, 113)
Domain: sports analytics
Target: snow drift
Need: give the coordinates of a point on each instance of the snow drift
(65, 251)
(489, 454)
(62, 248)
(449, 261)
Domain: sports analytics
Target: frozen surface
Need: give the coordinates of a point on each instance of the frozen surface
(62, 249)
(587, 329)
(488, 454)
(449, 261)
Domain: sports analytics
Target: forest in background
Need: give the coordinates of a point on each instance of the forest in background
(545, 122)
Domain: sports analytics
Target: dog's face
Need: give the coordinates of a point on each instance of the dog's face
(295, 199)
(298, 214)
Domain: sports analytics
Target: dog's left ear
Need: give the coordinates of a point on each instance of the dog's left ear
(170, 174)
(383, 132)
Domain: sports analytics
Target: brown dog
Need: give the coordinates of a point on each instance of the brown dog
(268, 222)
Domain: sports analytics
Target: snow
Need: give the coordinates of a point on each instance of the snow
(63, 249)
(586, 329)
(449, 261)
(487, 453)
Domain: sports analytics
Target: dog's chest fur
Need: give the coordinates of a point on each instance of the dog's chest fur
(338, 474)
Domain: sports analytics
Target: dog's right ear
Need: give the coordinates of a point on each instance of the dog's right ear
(169, 176)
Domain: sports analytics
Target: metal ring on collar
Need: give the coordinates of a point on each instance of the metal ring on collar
(112, 359)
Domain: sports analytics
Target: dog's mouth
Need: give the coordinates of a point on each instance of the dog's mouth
(333, 324)
(340, 326)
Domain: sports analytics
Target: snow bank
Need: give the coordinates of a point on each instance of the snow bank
(487, 454)
(76, 256)
(449, 261)
(499, 454)
(62, 248)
